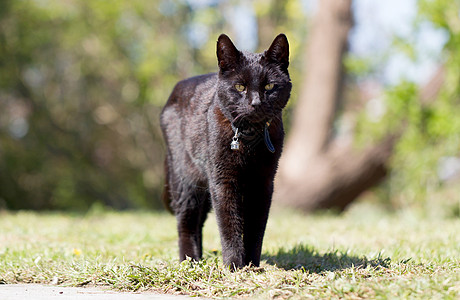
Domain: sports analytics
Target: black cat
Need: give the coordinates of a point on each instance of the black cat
(224, 136)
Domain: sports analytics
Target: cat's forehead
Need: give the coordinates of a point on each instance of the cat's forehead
(254, 68)
(252, 58)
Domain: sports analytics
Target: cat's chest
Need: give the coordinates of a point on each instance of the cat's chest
(250, 152)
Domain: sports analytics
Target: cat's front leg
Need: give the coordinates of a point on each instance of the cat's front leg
(227, 204)
(257, 202)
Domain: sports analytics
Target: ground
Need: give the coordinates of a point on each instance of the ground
(46, 292)
(364, 253)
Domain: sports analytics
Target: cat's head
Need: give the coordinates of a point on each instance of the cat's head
(253, 87)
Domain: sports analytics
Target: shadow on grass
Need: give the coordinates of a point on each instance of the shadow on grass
(305, 257)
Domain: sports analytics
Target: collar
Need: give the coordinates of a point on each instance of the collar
(247, 133)
(252, 134)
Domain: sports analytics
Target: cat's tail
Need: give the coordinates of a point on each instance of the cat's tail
(166, 194)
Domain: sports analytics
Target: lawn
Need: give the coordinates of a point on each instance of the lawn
(363, 253)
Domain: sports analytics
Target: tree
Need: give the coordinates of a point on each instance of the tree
(317, 170)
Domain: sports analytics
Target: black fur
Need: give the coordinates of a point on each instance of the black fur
(201, 169)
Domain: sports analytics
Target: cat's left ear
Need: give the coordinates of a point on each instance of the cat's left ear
(279, 51)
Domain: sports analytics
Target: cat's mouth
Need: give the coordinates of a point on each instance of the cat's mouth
(250, 123)
(250, 126)
(252, 118)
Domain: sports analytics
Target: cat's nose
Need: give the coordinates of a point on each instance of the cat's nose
(255, 102)
(255, 99)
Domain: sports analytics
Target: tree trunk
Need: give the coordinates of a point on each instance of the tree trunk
(315, 171)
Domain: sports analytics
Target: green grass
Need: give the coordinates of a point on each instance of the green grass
(361, 254)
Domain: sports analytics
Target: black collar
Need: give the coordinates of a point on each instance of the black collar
(252, 134)
(247, 132)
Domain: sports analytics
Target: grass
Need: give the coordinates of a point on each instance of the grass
(361, 254)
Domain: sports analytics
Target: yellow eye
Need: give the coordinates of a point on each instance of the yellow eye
(269, 87)
(240, 87)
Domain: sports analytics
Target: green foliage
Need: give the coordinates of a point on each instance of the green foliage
(79, 78)
(433, 134)
(357, 66)
(429, 128)
(401, 107)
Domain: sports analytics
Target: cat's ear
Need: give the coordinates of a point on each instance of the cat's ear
(279, 51)
(227, 54)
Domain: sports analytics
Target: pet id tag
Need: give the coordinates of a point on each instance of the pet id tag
(235, 144)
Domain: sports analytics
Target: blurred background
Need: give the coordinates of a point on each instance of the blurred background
(374, 114)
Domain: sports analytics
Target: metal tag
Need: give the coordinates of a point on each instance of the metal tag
(235, 145)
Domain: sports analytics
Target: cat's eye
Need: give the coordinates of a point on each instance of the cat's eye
(269, 87)
(240, 87)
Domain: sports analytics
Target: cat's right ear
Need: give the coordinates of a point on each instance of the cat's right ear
(227, 54)
(279, 51)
